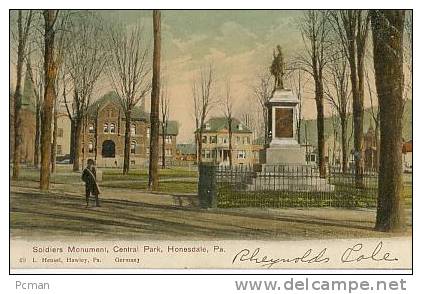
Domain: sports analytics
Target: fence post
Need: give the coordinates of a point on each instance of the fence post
(207, 186)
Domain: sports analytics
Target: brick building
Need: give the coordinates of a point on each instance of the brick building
(104, 134)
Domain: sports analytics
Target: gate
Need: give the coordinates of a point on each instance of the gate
(207, 185)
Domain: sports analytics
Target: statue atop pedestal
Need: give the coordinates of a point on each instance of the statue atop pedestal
(283, 147)
(277, 68)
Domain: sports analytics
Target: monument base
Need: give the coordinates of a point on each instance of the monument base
(285, 155)
(284, 168)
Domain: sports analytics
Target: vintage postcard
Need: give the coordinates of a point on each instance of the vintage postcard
(211, 139)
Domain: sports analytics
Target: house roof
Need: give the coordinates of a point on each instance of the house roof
(172, 128)
(186, 149)
(218, 124)
(112, 97)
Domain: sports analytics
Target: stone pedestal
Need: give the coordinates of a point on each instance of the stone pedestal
(285, 155)
(282, 112)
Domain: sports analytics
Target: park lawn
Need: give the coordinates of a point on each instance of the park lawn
(142, 174)
(178, 186)
(61, 176)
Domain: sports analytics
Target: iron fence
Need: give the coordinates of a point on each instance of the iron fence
(289, 186)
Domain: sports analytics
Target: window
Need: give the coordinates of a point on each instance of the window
(133, 129)
(203, 154)
(168, 152)
(90, 147)
(132, 162)
(133, 147)
(59, 150)
(147, 150)
(207, 154)
(213, 139)
(148, 132)
(91, 128)
(60, 132)
(241, 154)
(108, 149)
(240, 127)
(238, 139)
(204, 139)
(112, 128)
(106, 128)
(224, 140)
(248, 140)
(168, 139)
(207, 126)
(214, 153)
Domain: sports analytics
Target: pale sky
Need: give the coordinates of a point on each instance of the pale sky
(239, 44)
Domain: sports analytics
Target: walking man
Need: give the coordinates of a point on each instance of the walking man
(89, 176)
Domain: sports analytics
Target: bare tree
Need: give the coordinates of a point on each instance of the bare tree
(37, 80)
(387, 35)
(227, 104)
(165, 114)
(262, 93)
(374, 113)
(50, 69)
(352, 28)
(23, 28)
(203, 101)
(155, 103)
(314, 29)
(337, 94)
(128, 70)
(85, 61)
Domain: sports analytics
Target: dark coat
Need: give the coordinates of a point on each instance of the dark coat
(90, 181)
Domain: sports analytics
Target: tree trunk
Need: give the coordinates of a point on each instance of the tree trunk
(17, 126)
(387, 30)
(377, 147)
(78, 144)
(17, 99)
(199, 147)
(155, 103)
(50, 70)
(37, 135)
(230, 143)
(126, 154)
(343, 121)
(163, 147)
(265, 118)
(72, 140)
(54, 145)
(319, 99)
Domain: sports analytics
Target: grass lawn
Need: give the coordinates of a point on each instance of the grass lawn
(179, 186)
(172, 180)
(137, 174)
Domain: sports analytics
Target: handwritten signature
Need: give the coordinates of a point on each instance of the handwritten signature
(310, 256)
(354, 254)
(265, 261)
